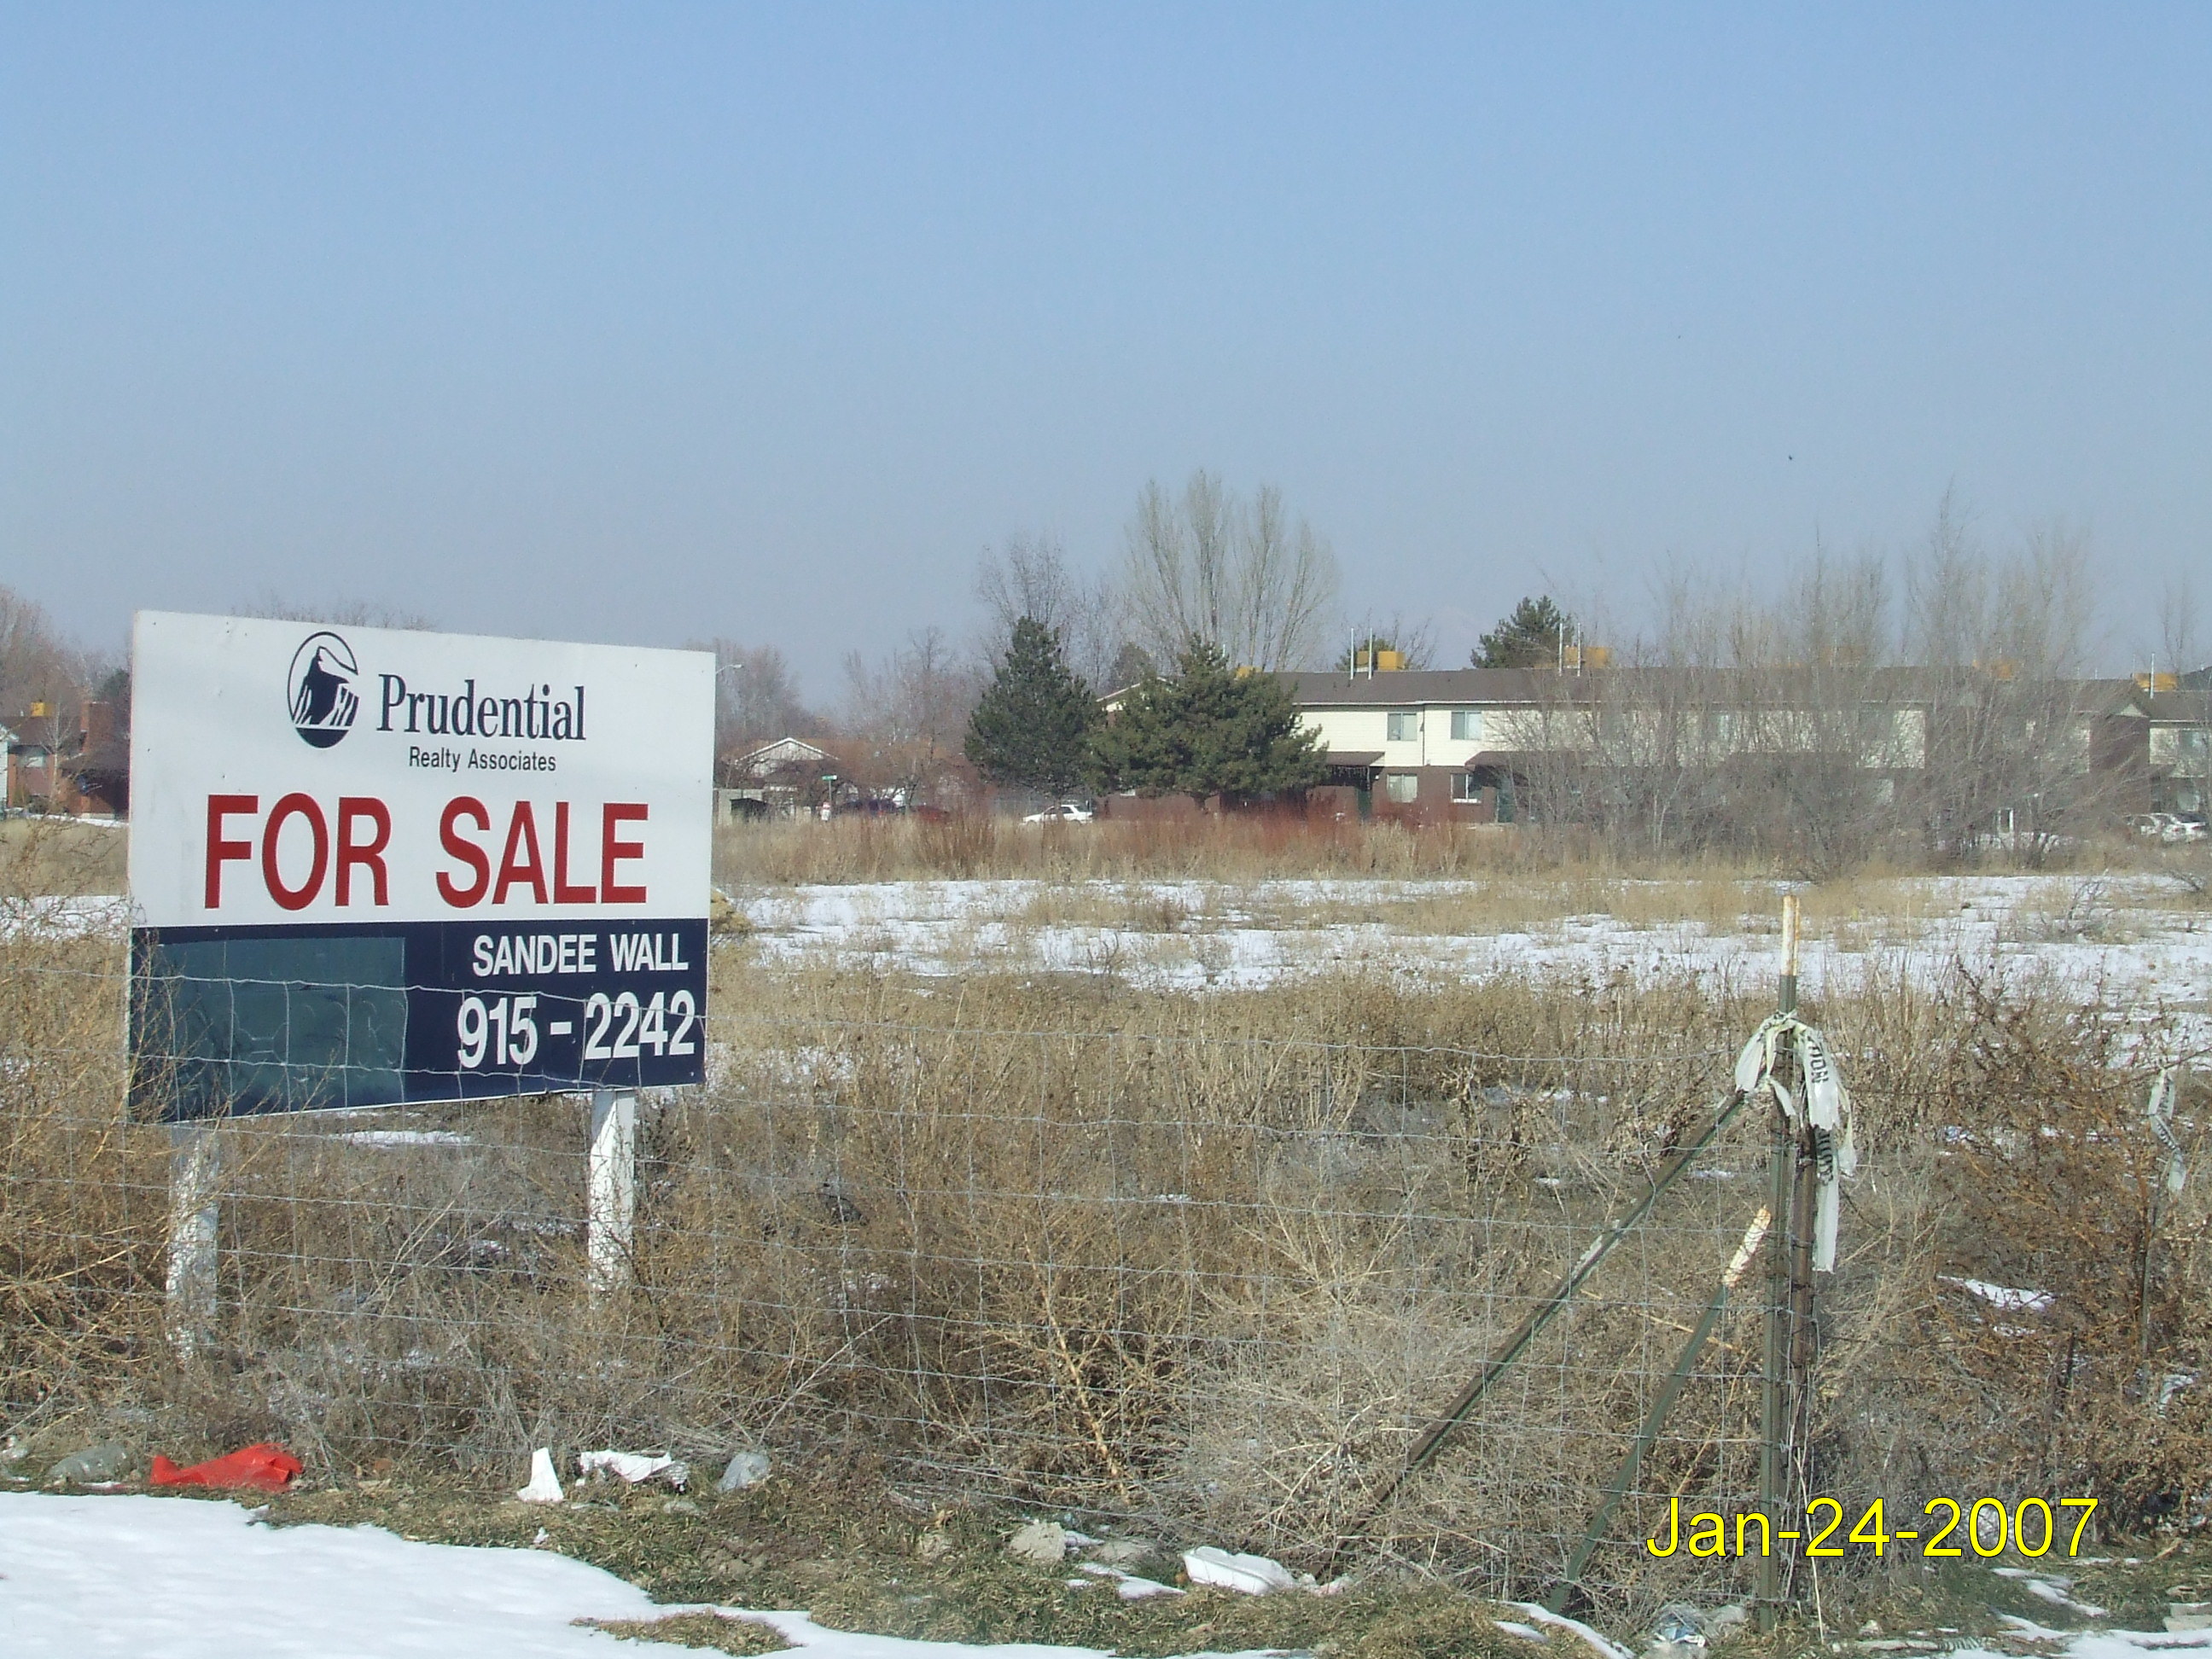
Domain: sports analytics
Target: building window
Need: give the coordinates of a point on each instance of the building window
(1465, 790)
(1405, 725)
(1403, 788)
(1467, 725)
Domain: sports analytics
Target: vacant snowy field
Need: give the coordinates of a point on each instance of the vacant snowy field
(2139, 937)
(2135, 936)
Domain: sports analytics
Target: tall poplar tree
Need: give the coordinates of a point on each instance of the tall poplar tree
(1031, 727)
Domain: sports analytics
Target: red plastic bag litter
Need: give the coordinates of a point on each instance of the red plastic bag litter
(266, 1467)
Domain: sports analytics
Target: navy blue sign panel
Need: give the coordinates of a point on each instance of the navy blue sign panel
(240, 1020)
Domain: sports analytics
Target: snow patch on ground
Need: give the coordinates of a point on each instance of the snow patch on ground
(183, 1578)
(2004, 1298)
(2130, 935)
(179, 1579)
(63, 918)
(2116, 1645)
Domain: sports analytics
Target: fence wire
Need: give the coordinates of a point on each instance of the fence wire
(1217, 1283)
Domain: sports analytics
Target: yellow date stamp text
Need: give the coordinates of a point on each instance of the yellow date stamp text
(1986, 1526)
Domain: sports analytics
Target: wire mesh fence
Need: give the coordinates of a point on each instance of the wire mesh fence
(1215, 1280)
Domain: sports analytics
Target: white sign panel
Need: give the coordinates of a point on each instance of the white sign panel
(370, 865)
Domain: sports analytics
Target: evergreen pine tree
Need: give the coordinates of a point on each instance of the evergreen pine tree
(1210, 730)
(1132, 664)
(1031, 727)
(1529, 638)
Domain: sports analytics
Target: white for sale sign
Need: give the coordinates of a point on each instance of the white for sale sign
(370, 866)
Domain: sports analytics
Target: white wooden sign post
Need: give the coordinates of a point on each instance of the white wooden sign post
(611, 1189)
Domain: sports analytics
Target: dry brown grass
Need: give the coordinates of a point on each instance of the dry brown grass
(79, 1196)
(58, 857)
(1206, 1261)
(720, 1632)
(1230, 848)
(1247, 848)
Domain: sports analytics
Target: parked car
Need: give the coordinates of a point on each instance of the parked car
(2172, 828)
(1067, 811)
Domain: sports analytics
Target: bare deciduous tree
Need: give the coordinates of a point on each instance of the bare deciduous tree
(757, 696)
(343, 613)
(2003, 640)
(2178, 640)
(1784, 724)
(1415, 640)
(1029, 576)
(1748, 723)
(905, 716)
(36, 665)
(1241, 576)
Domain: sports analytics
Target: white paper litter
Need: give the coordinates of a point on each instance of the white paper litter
(1253, 1575)
(544, 1485)
(2164, 1091)
(1128, 1585)
(633, 1467)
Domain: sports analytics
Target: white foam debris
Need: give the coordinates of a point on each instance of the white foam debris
(1250, 1575)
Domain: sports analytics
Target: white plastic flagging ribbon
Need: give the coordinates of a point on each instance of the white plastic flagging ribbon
(2162, 1093)
(1826, 1109)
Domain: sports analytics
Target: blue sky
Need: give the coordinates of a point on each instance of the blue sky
(645, 322)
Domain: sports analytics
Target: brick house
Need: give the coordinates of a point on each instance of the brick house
(83, 771)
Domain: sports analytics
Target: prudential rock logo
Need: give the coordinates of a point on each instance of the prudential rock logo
(320, 691)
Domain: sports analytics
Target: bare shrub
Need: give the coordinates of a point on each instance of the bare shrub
(2061, 1334)
(81, 1196)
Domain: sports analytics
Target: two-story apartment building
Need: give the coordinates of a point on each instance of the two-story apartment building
(1463, 744)
(1428, 743)
(2179, 750)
